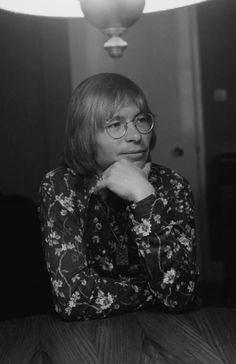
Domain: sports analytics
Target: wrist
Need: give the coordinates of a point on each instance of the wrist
(144, 193)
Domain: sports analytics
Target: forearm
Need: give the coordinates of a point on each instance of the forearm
(87, 295)
(167, 249)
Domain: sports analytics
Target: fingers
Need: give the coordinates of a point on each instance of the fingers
(121, 174)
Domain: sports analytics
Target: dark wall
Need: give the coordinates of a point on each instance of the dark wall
(34, 93)
(217, 36)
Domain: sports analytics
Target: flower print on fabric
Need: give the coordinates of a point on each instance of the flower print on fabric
(111, 256)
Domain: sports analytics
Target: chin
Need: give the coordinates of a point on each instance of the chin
(140, 163)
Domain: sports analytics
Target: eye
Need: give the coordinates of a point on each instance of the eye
(141, 119)
(115, 124)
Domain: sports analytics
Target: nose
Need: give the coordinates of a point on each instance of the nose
(132, 134)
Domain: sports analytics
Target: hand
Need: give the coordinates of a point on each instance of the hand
(126, 180)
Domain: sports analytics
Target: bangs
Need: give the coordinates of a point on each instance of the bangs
(109, 105)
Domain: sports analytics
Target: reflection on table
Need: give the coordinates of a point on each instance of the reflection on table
(206, 335)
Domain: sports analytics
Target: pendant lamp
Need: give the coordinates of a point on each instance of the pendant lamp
(112, 17)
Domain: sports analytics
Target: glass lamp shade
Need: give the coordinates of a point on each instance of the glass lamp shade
(113, 17)
(105, 14)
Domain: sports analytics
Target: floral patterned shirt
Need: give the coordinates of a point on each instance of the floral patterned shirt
(106, 255)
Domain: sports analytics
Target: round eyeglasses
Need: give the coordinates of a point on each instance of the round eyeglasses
(118, 125)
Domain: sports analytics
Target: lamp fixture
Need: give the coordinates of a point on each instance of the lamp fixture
(112, 17)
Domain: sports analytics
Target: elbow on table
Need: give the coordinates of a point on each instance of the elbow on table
(64, 308)
(64, 311)
(180, 304)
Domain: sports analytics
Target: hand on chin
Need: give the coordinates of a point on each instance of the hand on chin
(127, 179)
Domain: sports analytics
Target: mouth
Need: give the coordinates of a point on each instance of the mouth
(130, 152)
(134, 154)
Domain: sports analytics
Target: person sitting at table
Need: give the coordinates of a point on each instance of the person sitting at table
(118, 230)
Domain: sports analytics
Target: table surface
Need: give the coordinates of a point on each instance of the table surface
(205, 335)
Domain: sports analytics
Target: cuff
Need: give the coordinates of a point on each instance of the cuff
(143, 208)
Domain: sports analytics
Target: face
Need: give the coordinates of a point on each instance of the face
(133, 146)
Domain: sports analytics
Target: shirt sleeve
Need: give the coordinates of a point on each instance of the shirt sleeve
(78, 291)
(164, 231)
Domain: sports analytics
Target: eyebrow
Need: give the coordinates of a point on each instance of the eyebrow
(121, 116)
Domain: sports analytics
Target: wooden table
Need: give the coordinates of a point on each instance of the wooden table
(206, 335)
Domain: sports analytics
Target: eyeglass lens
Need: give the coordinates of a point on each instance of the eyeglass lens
(117, 127)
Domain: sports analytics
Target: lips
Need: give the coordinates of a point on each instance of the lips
(134, 155)
(134, 152)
